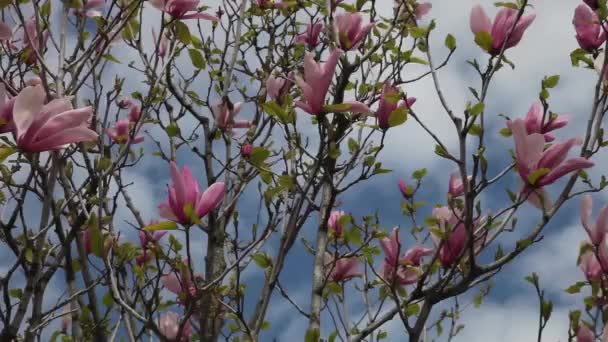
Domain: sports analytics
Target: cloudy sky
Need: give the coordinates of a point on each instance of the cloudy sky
(510, 312)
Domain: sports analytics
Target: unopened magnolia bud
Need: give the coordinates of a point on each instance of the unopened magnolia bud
(246, 150)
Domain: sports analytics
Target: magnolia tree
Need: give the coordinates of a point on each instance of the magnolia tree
(273, 111)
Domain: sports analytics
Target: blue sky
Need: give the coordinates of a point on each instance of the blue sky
(510, 312)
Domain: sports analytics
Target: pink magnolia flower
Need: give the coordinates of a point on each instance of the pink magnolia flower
(454, 238)
(125, 103)
(181, 9)
(184, 193)
(163, 44)
(134, 113)
(225, 112)
(501, 28)
(584, 334)
(534, 122)
(169, 325)
(546, 165)
(453, 245)
(342, 269)
(32, 41)
(599, 229)
(311, 36)
(589, 32)
(316, 81)
(590, 266)
(86, 241)
(455, 185)
(402, 271)
(422, 9)
(389, 102)
(121, 133)
(147, 239)
(246, 150)
(278, 87)
(351, 31)
(180, 282)
(6, 111)
(6, 33)
(333, 223)
(52, 126)
(403, 188)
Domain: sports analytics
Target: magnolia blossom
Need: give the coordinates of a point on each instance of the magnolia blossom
(404, 270)
(538, 167)
(454, 235)
(148, 240)
(342, 269)
(134, 113)
(390, 101)
(333, 223)
(32, 41)
(6, 33)
(316, 81)
(505, 31)
(186, 200)
(52, 126)
(598, 230)
(404, 189)
(311, 36)
(246, 150)
(351, 30)
(169, 325)
(315, 85)
(125, 103)
(584, 334)
(455, 185)
(590, 266)
(271, 4)
(182, 9)
(163, 44)
(179, 283)
(120, 133)
(6, 111)
(589, 32)
(419, 9)
(225, 112)
(535, 123)
(278, 87)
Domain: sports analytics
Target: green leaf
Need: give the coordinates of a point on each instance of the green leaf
(312, 335)
(544, 94)
(506, 4)
(332, 336)
(551, 81)
(353, 235)
(111, 58)
(340, 107)
(534, 176)
(258, 155)
(107, 300)
(182, 32)
(450, 42)
(397, 117)
(353, 145)
(172, 130)
(505, 132)
(484, 40)
(6, 151)
(477, 109)
(197, 58)
(419, 174)
(274, 109)
(15, 293)
(262, 260)
(164, 225)
(575, 288)
(412, 309)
